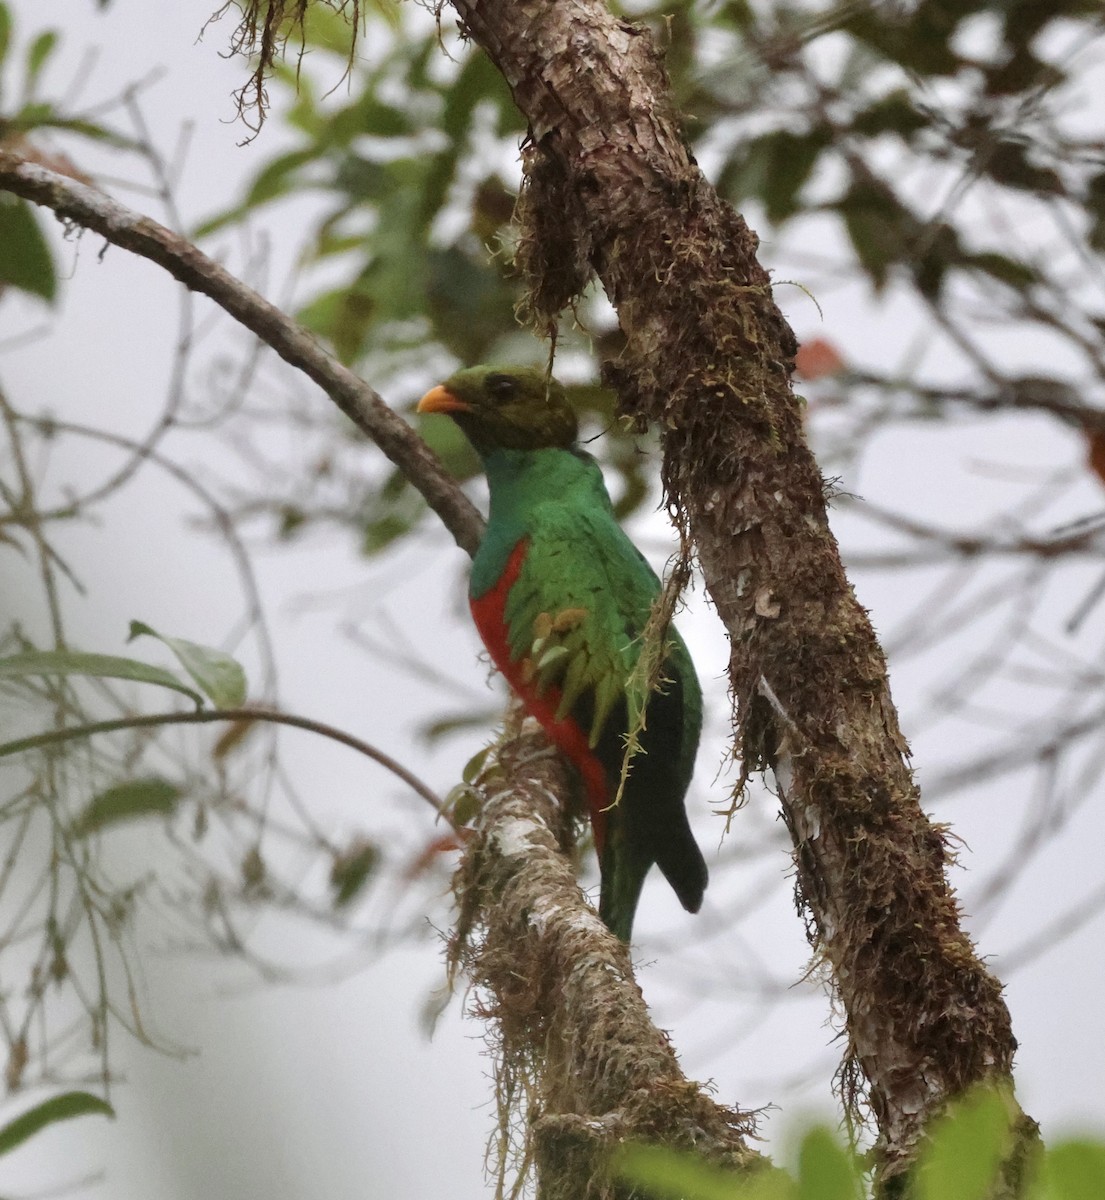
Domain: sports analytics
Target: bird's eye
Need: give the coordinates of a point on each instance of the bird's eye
(502, 387)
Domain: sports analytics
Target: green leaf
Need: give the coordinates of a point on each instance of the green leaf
(37, 54)
(1075, 1170)
(477, 81)
(464, 803)
(826, 1170)
(775, 167)
(1021, 72)
(274, 180)
(444, 726)
(129, 801)
(966, 1150)
(663, 1172)
(474, 765)
(351, 870)
(343, 316)
(384, 531)
(493, 205)
(220, 677)
(1024, 21)
(880, 227)
(25, 259)
(1009, 162)
(920, 41)
(100, 666)
(1007, 270)
(1095, 209)
(45, 116)
(660, 1171)
(389, 513)
(469, 301)
(278, 177)
(327, 29)
(5, 31)
(936, 251)
(34, 114)
(893, 113)
(790, 159)
(49, 1112)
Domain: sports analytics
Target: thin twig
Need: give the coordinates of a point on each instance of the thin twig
(57, 736)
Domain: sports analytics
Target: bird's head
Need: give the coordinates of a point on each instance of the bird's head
(506, 408)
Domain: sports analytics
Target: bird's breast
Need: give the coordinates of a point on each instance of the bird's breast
(489, 615)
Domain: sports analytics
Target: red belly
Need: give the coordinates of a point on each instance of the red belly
(565, 734)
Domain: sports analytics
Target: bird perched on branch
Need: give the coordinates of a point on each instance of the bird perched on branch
(562, 600)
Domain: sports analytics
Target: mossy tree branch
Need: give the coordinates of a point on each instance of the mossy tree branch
(612, 191)
(578, 1053)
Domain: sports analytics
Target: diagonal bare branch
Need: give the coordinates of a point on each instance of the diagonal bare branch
(87, 208)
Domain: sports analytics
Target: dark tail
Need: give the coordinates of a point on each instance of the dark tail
(684, 867)
(621, 889)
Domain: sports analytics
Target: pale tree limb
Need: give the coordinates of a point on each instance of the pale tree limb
(577, 1052)
(83, 206)
(611, 190)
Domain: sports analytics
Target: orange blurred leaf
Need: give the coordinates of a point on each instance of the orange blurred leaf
(444, 843)
(817, 358)
(233, 736)
(1095, 455)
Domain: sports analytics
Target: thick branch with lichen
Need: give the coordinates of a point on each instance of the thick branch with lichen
(575, 1037)
(611, 190)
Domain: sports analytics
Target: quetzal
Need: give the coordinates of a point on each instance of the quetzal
(561, 598)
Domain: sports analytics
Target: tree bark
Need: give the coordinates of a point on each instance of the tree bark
(611, 190)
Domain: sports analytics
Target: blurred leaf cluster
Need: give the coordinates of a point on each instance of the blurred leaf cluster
(962, 1161)
(868, 111)
(415, 214)
(57, 803)
(415, 161)
(913, 141)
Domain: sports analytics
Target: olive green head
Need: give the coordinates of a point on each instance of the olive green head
(506, 408)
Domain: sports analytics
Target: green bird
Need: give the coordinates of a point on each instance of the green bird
(561, 598)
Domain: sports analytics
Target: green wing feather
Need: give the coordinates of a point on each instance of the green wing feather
(575, 619)
(577, 612)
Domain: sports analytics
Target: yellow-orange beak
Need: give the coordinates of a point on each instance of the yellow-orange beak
(439, 400)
